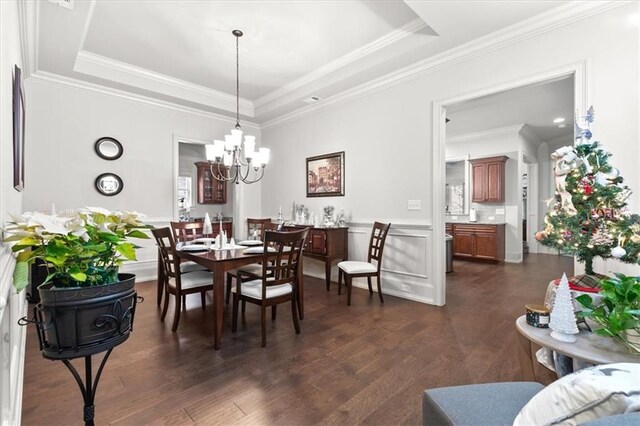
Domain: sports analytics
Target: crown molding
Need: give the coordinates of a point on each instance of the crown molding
(548, 21)
(394, 36)
(28, 17)
(131, 75)
(485, 134)
(47, 78)
(530, 135)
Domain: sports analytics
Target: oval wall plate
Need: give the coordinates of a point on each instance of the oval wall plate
(109, 184)
(109, 148)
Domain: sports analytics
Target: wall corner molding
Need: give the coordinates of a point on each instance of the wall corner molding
(51, 79)
(28, 17)
(113, 70)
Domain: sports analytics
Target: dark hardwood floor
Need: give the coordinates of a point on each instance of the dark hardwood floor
(363, 364)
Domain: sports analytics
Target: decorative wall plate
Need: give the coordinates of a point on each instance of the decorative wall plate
(109, 148)
(109, 184)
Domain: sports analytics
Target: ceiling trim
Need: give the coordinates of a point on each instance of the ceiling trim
(484, 134)
(51, 79)
(28, 16)
(530, 135)
(87, 24)
(394, 36)
(550, 20)
(131, 75)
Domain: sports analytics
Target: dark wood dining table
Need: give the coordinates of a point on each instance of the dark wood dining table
(221, 261)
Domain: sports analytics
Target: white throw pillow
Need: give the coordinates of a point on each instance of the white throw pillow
(587, 394)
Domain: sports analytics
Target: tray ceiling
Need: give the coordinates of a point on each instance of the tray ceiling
(183, 52)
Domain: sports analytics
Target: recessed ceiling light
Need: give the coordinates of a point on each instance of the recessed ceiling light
(559, 120)
(562, 126)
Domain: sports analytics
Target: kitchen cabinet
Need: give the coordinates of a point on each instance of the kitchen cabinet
(210, 190)
(478, 241)
(487, 177)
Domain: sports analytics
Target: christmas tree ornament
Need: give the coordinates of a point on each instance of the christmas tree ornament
(582, 126)
(602, 237)
(601, 179)
(563, 317)
(540, 235)
(618, 251)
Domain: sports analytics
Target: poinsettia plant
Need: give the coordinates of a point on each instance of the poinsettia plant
(80, 248)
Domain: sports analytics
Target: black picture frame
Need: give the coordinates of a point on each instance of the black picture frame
(109, 184)
(102, 148)
(325, 175)
(18, 129)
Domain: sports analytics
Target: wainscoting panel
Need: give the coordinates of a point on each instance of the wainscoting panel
(13, 306)
(406, 271)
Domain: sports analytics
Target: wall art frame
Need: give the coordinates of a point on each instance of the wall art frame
(18, 129)
(325, 175)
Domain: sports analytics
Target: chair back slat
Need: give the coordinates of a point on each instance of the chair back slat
(187, 231)
(378, 238)
(256, 227)
(167, 248)
(281, 266)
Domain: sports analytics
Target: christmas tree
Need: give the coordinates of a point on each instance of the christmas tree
(563, 317)
(588, 215)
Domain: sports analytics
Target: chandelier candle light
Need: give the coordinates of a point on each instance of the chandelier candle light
(227, 163)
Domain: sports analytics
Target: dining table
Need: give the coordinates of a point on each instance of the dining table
(219, 261)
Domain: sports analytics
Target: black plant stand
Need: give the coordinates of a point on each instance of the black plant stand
(90, 386)
(74, 323)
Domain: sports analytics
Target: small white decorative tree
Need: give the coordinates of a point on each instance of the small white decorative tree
(563, 317)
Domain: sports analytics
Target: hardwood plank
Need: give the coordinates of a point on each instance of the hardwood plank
(363, 364)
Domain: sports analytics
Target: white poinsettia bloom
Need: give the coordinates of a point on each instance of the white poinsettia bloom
(77, 227)
(49, 224)
(100, 210)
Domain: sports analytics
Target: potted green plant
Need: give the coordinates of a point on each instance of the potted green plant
(86, 305)
(618, 314)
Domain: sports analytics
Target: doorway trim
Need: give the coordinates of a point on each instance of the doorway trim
(581, 88)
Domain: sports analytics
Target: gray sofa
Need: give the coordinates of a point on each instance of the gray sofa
(491, 404)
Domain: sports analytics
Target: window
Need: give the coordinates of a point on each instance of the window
(184, 193)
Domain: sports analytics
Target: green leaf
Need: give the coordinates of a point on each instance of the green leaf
(127, 250)
(137, 234)
(106, 236)
(78, 276)
(585, 300)
(26, 256)
(20, 276)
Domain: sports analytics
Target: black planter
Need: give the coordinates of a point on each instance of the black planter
(82, 321)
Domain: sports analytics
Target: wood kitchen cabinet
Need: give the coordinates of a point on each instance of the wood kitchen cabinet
(210, 190)
(325, 244)
(478, 242)
(487, 177)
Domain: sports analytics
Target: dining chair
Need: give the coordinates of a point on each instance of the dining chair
(187, 231)
(357, 269)
(279, 281)
(255, 269)
(255, 227)
(176, 282)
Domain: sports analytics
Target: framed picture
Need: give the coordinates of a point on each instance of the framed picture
(325, 175)
(18, 130)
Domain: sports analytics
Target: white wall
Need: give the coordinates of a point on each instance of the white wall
(12, 306)
(65, 122)
(387, 134)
